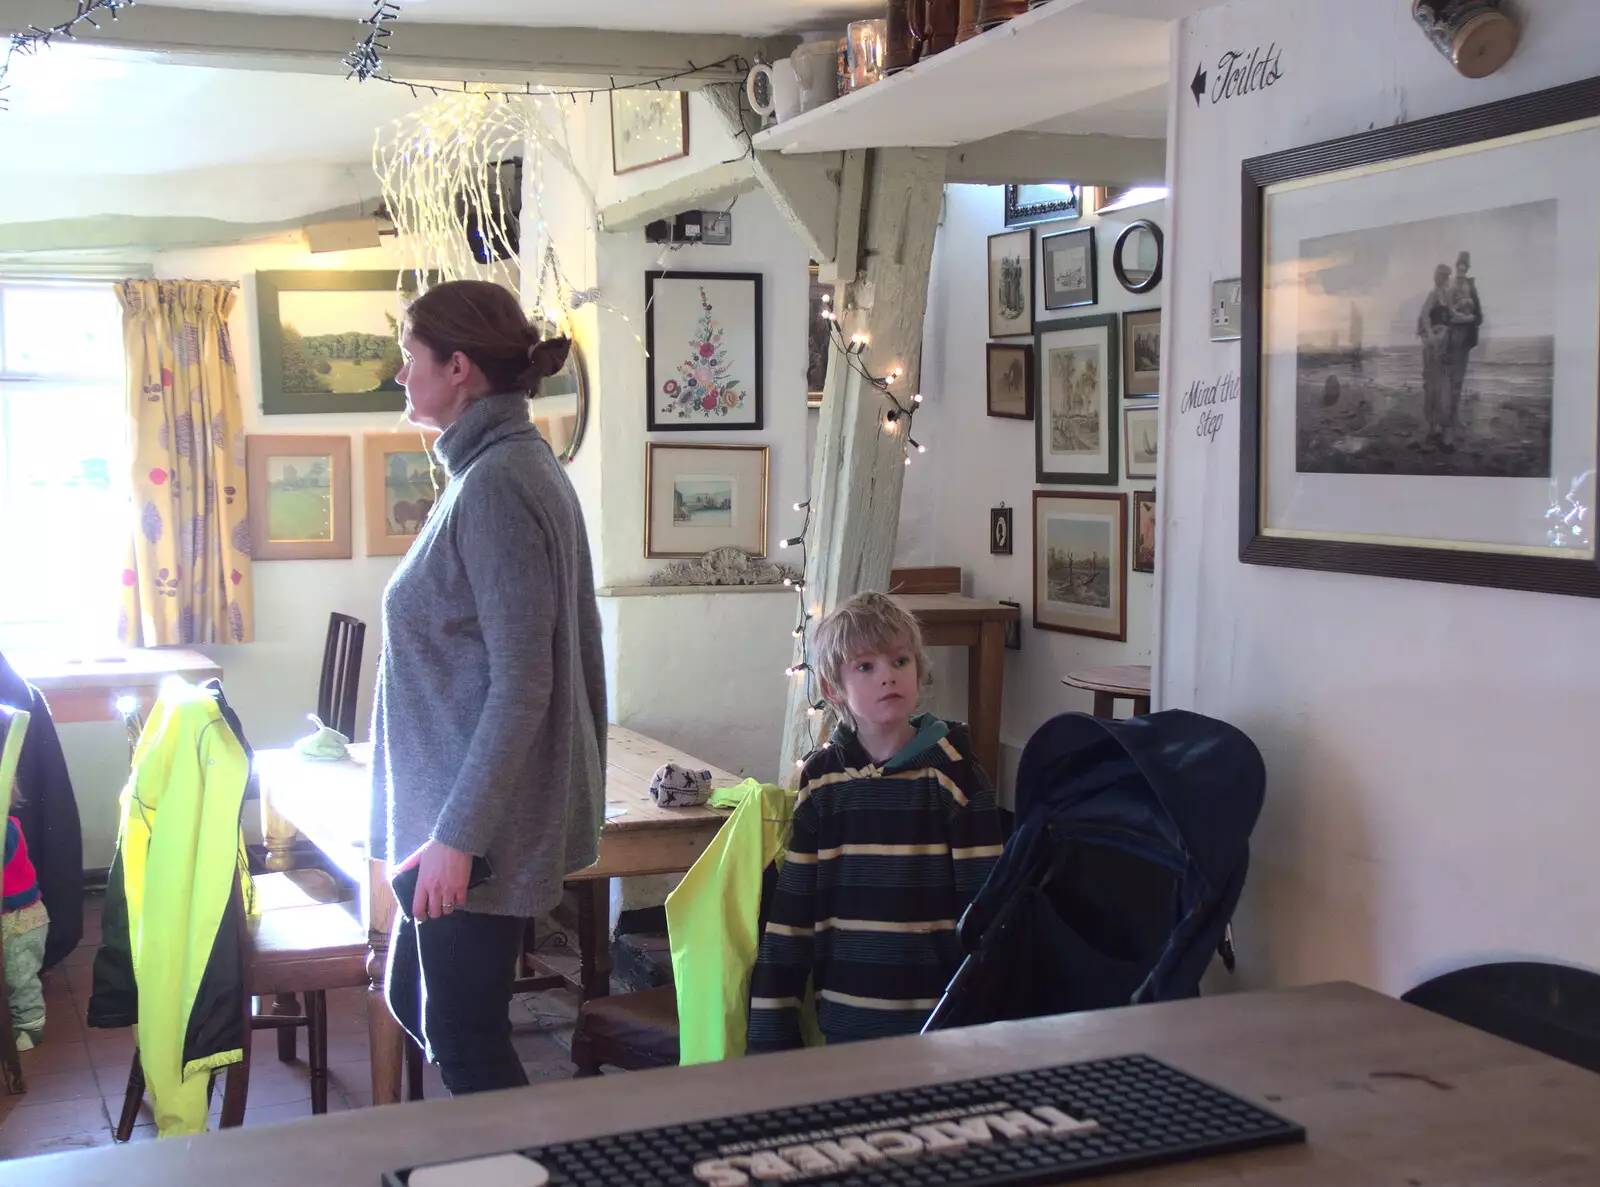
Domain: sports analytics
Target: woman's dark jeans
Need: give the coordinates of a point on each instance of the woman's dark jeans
(449, 985)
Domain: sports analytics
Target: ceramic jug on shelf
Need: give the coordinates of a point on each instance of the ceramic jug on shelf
(816, 71)
(941, 19)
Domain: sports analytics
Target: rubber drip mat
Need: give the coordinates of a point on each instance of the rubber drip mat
(1037, 1127)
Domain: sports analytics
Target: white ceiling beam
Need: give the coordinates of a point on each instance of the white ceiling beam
(425, 51)
(693, 191)
(1034, 158)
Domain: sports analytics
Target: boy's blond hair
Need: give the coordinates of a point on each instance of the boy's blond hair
(868, 622)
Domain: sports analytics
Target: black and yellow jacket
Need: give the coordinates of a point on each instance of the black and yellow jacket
(882, 861)
(172, 953)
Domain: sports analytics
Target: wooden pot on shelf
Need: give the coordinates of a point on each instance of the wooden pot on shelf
(998, 12)
(967, 19)
(941, 20)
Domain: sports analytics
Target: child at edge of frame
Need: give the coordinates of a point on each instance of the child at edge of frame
(23, 926)
(896, 828)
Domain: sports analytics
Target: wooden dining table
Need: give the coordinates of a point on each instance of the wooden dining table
(1388, 1094)
(327, 803)
(87, 688)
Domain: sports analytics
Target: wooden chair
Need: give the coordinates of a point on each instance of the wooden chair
(631, 1031)
(13, 727)
(341, 673)
(299, 946)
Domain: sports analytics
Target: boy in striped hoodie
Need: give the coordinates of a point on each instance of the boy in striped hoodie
(895, 829)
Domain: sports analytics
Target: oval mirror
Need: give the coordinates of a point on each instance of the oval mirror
(1137, 257)
(561, 409)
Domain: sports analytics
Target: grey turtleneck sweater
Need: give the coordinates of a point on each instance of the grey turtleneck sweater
(489, 721)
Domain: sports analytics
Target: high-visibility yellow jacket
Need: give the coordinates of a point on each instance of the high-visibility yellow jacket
(714, 921)
(180, 854)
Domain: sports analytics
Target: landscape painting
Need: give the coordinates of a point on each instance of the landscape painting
(1077, 429)
(300, 498)
(702, 501)
(1141, 352)
(402, 484)
(1080, 554)
(408, 492)
(1428, 347)
(340, 344)
(1144, 531)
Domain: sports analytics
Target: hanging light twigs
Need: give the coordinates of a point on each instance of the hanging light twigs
(366, 60)
(32, 39)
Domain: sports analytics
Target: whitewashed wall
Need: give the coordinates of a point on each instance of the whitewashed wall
(1431, 802)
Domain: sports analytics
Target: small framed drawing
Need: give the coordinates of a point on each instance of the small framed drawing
(1227, 301)
(1141, 352)
(1075, 433)
(699, 497)
(819, 340)
(1000, 530)
(1010, 284)
(1071, 269)
(1144, 531)
(1420, 355)
(299, 490)
(1010, 380)
(330, 341)
(1141, 434)
(703, 334)
(648, 127)
(401, 483)
(1080, 562)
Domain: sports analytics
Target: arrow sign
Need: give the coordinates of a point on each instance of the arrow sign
(1198, 86)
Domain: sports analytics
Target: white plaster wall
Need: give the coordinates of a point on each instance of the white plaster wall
(975, 461)
(1431, 780)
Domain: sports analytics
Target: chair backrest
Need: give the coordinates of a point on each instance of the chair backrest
(341, 673)
(13, 726)
(1549, 1007)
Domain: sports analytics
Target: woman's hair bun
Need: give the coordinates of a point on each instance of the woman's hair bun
(546, 356)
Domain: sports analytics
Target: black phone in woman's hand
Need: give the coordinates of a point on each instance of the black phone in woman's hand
(405, 882)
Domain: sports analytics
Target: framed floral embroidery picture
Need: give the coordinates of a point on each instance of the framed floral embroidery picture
(703, 334)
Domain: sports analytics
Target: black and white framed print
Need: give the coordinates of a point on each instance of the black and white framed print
(1420, 353)
(1141, 433)
(1075, 431)
(1000, 530)
(1080, 563)
(1010, 284)
(1141, 352)
(1144, 531)
(1071, 269)
(1010, 380)
(703, 334)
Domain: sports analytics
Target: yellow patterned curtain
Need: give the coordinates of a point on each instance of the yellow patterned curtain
(188, 574)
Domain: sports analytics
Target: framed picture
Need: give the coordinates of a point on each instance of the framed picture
(1080, 562)
(299, 490)
(1227, 300)
(1075, 432)
(402, 483)
(1010, 380)
(703, 334)
(1031, 203)
(1141, 434)
(560, 410)
(1420, 356)
(330, 341)
(1010, 284)
(1000, 530)
(1144, 531)
(819, 341)
(1141, 352)
(1071, 269)
(700, 497)
(648, 127)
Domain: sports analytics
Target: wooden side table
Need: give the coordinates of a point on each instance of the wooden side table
(1129, 682)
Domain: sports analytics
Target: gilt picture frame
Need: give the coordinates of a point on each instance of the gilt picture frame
(299, 492)
(401, 482)
(700, 496)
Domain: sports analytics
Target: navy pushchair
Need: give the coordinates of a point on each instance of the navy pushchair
(1119, 883)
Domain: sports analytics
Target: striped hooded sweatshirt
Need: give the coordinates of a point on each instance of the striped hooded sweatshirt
(883, 861)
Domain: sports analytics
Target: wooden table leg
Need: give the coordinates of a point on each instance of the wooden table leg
(594, 936)
(1141, 706)
(986, 676)
(1105, 705)
(385, 1037)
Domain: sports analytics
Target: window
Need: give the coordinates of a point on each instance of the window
(63, 464)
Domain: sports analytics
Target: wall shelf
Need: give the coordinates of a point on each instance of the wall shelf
(1067, 58)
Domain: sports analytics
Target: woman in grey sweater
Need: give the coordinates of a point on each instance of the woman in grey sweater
(489, 721)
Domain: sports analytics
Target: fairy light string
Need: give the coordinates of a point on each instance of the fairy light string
(33, 39)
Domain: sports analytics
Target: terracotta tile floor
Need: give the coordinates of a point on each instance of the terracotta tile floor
(77, 1077)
